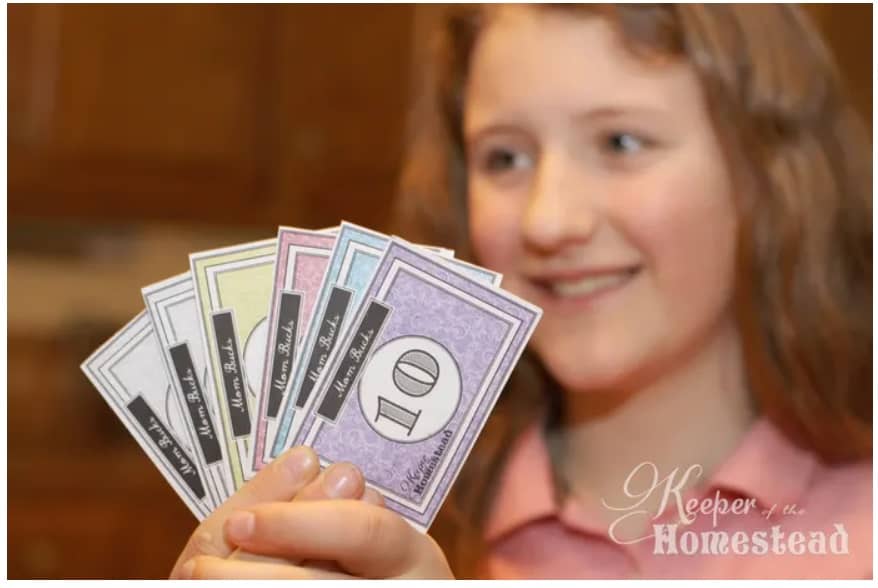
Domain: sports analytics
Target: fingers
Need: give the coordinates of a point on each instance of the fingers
(240, 554)
(207, 567)
(280, 481)
(340, 480)
(326, 566)
(364, 539)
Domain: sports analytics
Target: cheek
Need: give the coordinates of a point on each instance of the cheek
(493, 227)
(687, 234)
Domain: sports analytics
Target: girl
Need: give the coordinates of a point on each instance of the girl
(685, 193)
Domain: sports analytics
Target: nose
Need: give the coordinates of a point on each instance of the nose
(560, 210)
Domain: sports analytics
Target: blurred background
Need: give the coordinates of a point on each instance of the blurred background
(138, 134)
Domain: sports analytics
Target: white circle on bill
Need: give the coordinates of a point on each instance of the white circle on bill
(410, 389)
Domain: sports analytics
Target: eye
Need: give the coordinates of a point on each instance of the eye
(621, 143)
(499, 160)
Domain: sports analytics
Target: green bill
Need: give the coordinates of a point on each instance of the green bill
(233, 287)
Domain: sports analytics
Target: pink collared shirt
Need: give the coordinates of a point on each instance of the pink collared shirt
(530, 536)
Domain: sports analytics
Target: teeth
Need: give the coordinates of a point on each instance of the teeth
(588, 285)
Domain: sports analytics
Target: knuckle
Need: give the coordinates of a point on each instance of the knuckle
(262, 524)
(204, 543)
(272, 522)
(199, 568)
(373, 528)
(384, 530)
(269, 484)
(268, 471)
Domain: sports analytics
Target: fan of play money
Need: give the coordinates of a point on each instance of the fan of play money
(364, 347)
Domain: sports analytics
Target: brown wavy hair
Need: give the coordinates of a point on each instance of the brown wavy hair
(801, 164)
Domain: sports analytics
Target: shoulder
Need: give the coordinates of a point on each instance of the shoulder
(842, 489)
(840, 496)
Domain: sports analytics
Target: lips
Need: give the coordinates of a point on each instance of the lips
(586, 283)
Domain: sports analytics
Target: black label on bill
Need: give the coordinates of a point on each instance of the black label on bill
(330, 326)
(233, 375)
(167, 445)
(286, 334)
(190, 385)
(355, 356)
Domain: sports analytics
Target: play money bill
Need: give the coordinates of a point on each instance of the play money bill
(129, 373)
(233, 288)
(414, 379)
(349, 270)
(175, 315)
(302, 257)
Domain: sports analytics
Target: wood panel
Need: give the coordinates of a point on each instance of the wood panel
(261, 114)
(106, 514)
(145, 108)
(342, 111)
(84, 500)
(207, 113)
(848, 32)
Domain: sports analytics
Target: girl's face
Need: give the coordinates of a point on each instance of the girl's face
(597, 186)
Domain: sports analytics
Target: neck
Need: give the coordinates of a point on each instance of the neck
(694, 413)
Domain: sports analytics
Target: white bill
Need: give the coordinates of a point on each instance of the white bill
(129, 373)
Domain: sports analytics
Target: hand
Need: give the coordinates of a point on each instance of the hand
(360, 538)
(294, 475)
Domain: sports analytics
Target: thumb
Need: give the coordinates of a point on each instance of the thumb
(280, 481)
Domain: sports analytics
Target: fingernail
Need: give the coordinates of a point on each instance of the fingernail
(240, 525)
(187, 570)
(299, 461)
(341, 480)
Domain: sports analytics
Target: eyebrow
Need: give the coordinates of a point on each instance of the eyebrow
(590, 115)
(616, 111)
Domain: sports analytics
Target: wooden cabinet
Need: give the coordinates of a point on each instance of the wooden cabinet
(206, 113)
(136, 116)
(847, 29)
(84, 500)
(341, 103)
(253, 114)
(105, 514)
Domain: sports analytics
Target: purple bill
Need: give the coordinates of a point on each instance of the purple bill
(414, 378)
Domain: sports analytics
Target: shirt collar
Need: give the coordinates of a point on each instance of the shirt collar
(526, 491)
(765, 466)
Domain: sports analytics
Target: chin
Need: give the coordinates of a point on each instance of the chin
(581, 378)
(578, 369)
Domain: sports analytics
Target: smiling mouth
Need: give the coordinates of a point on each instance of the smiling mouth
(587, 286)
